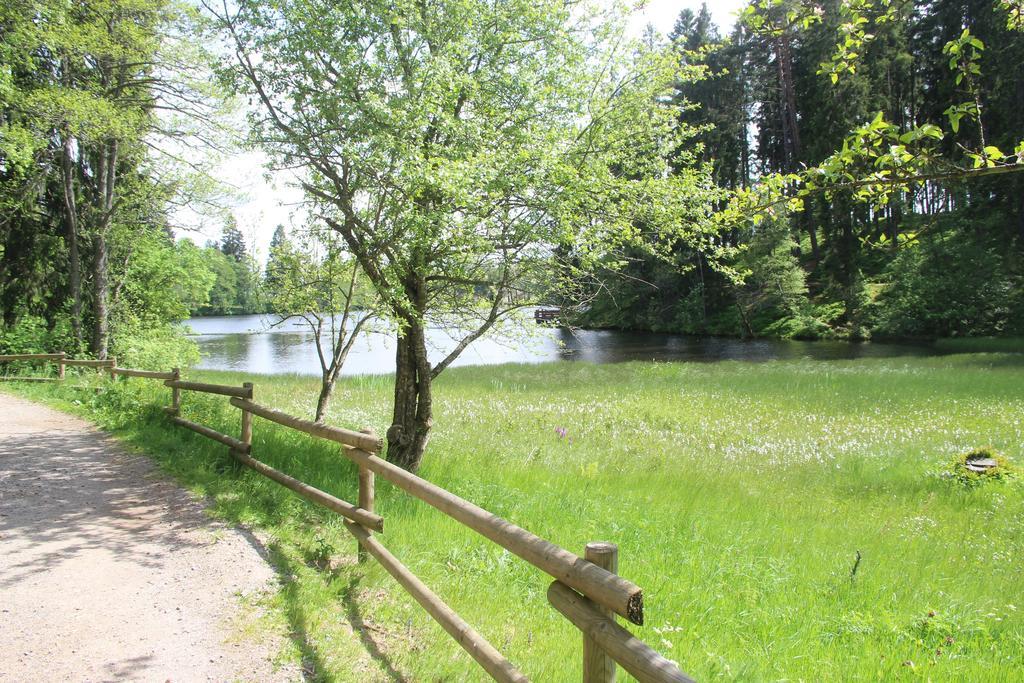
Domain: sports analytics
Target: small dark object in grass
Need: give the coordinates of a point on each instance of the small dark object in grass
(856, 565)
(981, 465)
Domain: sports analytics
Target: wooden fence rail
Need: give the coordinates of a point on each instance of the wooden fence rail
(87, 363)
(30, 356)
(315, 495)
(633, 654)
(222, 389)
(228, 441)
(149, 374)
(34, 357)
(472, 642)
(361, 440)
(587, 590)
(614, 592)
(610, 590)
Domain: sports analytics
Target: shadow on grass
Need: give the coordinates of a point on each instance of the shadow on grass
(355, 620)
(313, 665)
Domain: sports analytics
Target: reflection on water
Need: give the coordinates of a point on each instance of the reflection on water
(250, 344)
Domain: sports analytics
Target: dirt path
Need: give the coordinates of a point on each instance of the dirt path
(108, 571)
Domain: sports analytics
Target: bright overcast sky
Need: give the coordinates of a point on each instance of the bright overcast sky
(265, 203)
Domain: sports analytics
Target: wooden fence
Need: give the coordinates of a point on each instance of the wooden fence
(586, 590)
(60, 359)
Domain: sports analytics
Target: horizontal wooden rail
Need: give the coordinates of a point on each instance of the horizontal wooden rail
(366, 442)
(30, 356)
(87, 363)
(472, 642)
(614, 592)
(142, 373)
(222, 389)
(347, 510)
(228, 441)
(633, 654)
(15, 378)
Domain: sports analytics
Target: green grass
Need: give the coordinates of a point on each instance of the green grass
(981, 344)
(739, 495)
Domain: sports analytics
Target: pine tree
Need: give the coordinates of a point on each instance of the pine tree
(232, 243)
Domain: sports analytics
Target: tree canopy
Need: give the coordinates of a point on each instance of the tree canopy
(471, 154)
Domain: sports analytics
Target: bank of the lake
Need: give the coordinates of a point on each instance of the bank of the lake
(739, 493)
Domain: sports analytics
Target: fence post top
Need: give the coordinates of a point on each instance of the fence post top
(602, 547)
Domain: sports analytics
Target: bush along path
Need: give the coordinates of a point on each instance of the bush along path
(109, 571)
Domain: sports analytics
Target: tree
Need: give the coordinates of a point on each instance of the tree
(223, 299)
(232, 242)
(95, 90)
(885, 224)
(279, 238)
(280, 246)
(454, 147)
(238, 282)
(323, 291)
(717, 102)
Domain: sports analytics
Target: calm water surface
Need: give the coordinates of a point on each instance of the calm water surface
(250, 344)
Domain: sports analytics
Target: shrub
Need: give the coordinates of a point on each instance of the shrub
(950, 286)
(1002, 471)
(32, 335)
(155, 348)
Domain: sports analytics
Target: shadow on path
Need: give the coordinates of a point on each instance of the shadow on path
(64, 492)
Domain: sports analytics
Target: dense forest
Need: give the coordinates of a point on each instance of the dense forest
(943, 258)
(102, 103)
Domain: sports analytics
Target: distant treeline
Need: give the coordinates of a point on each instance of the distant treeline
(89, 262)
(233, 275)
(941, 260)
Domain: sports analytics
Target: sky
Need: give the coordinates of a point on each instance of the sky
(266, 200)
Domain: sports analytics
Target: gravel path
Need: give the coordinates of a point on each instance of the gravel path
(108, 571)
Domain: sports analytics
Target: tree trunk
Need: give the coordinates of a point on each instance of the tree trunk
(329, 379)
(71, 224)
(1020, 220)
(787, 96)
(808, 221)
(322, 401)
(106, 173)
(413, 416)
(101, 296)
(792, 145)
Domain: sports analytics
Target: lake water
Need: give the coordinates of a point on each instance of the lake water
(249, 343)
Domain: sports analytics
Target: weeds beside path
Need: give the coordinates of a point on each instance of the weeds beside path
(110, 571)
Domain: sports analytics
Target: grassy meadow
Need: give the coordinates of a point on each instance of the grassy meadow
(740, 496)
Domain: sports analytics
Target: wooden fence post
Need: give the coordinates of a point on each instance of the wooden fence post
(60, 365)
(366, 495)
(176, 393)
(598, 667)
(247, 420)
